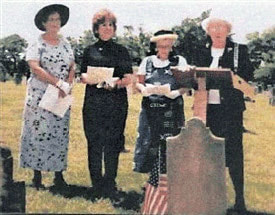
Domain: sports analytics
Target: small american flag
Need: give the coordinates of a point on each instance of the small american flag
(155, 201)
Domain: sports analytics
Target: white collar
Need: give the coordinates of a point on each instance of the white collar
(216, 52)
(158, 63)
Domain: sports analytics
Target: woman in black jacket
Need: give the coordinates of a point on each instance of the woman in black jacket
(105, 109)
(225, 117)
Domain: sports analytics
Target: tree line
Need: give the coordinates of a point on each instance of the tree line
(191, 38)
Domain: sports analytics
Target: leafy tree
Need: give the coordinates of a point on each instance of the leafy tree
(11, 49)
(191, 36)
(3, 73)
(262, 53)
(137, 45)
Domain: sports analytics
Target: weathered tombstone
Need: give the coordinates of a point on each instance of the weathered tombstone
(272, 96)
(196, 178)
(260, 88)
(256, 91)
(12, 194)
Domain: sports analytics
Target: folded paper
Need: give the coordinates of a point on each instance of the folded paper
(53, 103)
(98, 75)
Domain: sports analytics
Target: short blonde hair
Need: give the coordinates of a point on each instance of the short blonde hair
(207, 22)
(100, 17)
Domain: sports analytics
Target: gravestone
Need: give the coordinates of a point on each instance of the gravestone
(12, 194)
(256, 90)
(272, 96)
(260, 88)
(196, 171)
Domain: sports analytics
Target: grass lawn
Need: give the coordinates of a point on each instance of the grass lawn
(259, 147)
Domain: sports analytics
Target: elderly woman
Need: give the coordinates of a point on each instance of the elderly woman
(225, 117)
(105, 109)
(45, 136)
(162, 113)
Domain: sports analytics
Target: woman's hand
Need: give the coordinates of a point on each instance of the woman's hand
(64, 86)
(125, 81)
(173, 94)
(61, 94)
(183, 90)
(189, 68)
(85, 80)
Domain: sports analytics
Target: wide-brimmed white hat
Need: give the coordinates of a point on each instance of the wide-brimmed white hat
(164, 34)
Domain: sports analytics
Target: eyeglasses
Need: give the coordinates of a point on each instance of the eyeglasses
(217, 28)
(164, 47)
(54, 20)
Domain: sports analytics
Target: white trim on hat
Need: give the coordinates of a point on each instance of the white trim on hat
(164, 36)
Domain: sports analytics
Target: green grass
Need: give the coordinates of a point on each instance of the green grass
(259, 150)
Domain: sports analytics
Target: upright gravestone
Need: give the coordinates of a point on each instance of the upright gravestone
(272, 96)
(260, 88)
(12, 194)
(196, 171)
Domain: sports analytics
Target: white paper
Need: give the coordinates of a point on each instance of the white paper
(158, 89)
(51, 102)
(214, 97)
(98, 75)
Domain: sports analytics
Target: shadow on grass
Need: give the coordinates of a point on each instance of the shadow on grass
(249, 131)
(130, 200)
(72, 191)
(126, 200)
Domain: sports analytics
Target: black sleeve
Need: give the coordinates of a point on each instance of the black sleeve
(125, 65)
(198, 56)
(245, 66)
(85, 60)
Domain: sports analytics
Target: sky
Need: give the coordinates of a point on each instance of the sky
(17, 17)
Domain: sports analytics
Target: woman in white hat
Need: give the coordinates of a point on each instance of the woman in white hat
(225, 117)
(45, 136)
(162, 110)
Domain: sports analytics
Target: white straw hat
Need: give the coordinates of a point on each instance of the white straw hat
(164, 34)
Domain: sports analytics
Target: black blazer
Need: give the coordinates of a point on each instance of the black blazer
(229, 114)
(245, 69)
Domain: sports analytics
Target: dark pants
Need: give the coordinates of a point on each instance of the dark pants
(234, 158)
(228, 124)
(104, 120)
(97, 152)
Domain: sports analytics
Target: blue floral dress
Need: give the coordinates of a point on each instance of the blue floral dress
(45, 136)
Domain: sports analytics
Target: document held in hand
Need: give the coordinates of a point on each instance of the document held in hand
(52, 103)
(98, 75)
(158, 89)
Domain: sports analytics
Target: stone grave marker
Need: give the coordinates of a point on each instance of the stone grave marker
(12, 194)
(196, 171)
